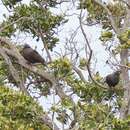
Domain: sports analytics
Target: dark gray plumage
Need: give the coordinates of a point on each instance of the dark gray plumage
(18, 0)
(31, 55)
(113, 79)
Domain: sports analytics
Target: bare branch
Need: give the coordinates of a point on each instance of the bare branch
(84, 34)
(41, 34)
(90, 51)
(45, 44)
(78, 71)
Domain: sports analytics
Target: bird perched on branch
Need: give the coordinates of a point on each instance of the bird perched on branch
(31, 55)
(113, 79)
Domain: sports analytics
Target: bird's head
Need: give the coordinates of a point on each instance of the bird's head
(26, 46)
(118, 72)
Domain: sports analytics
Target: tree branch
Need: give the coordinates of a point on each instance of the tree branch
(45, 119)
(111, 18)
(90, 55)
(78, 71)
(13, 71)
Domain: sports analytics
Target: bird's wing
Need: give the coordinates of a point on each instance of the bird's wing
(108, 78)
(36, 55)
(34, 51)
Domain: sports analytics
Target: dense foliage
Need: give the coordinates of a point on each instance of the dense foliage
(19, 112)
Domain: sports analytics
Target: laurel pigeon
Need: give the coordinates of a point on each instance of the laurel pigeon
(113, 79)
(31, 55)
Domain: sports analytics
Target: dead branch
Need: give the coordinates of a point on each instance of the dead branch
(90, 51)
(45, 44)
(78, 71)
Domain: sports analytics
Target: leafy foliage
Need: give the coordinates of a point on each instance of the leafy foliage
(19, 111)
(97, 13)
(125, 37)
(105, 36)
(10, 3)
(39, 22)
(62, 67)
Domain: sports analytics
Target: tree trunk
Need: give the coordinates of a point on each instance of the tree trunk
(125, 109)
(124, 55)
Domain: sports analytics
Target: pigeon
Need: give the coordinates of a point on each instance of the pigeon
(113, 79)
(31, 55)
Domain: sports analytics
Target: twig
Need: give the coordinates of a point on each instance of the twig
(79, 73)
(90, 50)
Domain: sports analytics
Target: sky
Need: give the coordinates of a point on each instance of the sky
(92, 33)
